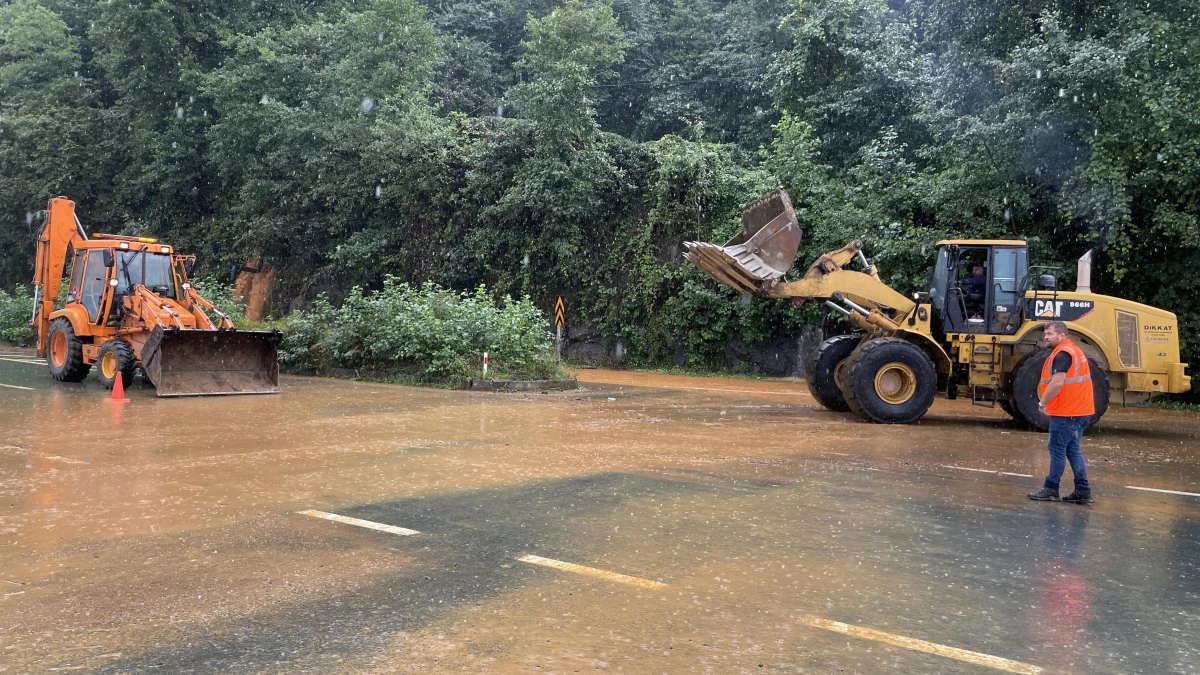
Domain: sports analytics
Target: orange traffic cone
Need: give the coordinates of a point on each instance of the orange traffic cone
(118, 390)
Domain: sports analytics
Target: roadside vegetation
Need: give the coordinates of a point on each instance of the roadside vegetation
(15, 310)
(423, 333)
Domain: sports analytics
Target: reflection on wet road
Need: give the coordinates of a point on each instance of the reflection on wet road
(647, 524)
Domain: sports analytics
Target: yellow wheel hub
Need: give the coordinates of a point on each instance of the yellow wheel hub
(108, 365)
(895, 383)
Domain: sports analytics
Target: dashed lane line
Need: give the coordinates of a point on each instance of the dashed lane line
(1001, 473)
(13, 386)
(922, 646)
(1170, 492)
(370, 525)
(591, 572)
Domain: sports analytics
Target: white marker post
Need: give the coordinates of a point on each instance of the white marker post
(485, 364)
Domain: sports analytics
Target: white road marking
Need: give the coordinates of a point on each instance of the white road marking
(31, 362)
(590, 571)
(725, 391)
(391, 529)
(922, 646)
(1170, 492)
(13, 386)
(56, 458)
(1002, 473)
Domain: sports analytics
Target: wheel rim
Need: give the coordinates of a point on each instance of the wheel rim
(895, 383)
(58, 349)
(108, 365)
(837, 372)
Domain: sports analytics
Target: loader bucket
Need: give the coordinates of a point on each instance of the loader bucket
(763, 251)
(212, 362)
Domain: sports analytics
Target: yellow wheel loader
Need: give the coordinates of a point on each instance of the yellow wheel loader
(130, 305)
(976, 330)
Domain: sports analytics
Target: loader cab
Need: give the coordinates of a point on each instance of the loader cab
(975, 286)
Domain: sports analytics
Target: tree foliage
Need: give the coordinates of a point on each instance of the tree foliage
(544, 149)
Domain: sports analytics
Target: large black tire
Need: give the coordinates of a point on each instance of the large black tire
(890, 381)
(822, 370)
(1025, 391)
(64, 352)
(116, 358)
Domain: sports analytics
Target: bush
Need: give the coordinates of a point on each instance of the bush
(426, 331)
(15, 310)
(221, 296)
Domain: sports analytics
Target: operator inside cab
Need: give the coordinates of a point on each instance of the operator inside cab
(975, 290)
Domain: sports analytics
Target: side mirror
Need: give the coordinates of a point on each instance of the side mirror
(188, 266)
(1047, 282)
(109, 261)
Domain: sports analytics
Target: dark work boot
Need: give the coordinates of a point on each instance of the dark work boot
(1078, 497)
(1044, 495)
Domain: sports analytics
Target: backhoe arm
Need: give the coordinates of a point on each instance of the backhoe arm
(60, 230)
(199, 303)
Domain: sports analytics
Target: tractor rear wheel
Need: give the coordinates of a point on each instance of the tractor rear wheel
(823, 370)
(116, 358)
(64, 352)
(890, 381)
(1025, 391)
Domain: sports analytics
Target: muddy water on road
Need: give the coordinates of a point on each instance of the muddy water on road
(162, 534)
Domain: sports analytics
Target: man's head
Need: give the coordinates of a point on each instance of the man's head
(1054, 333)
(977, 271)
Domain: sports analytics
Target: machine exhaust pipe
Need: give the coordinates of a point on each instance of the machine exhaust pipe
(1084, 276)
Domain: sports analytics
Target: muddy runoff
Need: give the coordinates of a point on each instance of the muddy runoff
(165, 535)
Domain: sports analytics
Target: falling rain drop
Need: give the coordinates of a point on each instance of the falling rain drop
(378, 191)
(1160, 157)
(1075, 99)
(500, 111)
(381, 38)
(265, 99)
(191, 99)
(179, 113)
(368, 104)
(29, 217)
(1038, 73)
(174, 145)
(1007, 215)
(525, 260)
(1062, 93)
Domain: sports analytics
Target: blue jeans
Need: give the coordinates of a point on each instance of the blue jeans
(1064, 447)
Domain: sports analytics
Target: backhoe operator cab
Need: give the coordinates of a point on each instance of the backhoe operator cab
(975, 328)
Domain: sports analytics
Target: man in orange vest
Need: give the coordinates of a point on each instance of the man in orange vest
(1066, 396)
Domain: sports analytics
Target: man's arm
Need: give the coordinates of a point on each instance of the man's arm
(1052, 389)
(1058, 377)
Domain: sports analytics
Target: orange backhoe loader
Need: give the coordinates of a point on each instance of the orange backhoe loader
(129, 304)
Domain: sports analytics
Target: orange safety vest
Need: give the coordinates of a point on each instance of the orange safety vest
(1075, 397)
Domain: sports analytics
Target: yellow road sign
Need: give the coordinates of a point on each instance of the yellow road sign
(558, 312)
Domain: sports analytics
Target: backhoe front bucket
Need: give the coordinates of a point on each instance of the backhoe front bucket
(763, 251)
(212, 362)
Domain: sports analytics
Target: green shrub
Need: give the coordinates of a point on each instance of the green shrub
(15, 310)
(221, 296)
(425, 331)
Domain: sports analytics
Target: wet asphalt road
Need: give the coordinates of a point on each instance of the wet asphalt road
(163, 535)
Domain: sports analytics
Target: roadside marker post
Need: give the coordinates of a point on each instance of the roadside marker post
(559, 311)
